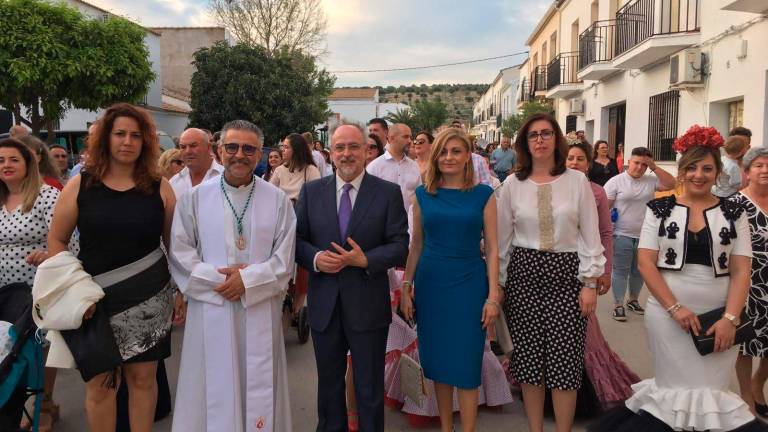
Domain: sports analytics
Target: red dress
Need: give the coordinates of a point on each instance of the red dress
(50, 181)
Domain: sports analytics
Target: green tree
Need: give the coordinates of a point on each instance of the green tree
(52, 58)
(404, 116)
(429, 115)
(281, 92)
(512, 124)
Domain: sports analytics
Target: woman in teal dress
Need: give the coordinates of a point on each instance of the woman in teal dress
(456, 296)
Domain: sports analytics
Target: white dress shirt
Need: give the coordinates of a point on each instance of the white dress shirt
(182, 182)
(352, 197)
(325, 169)
(404, 173)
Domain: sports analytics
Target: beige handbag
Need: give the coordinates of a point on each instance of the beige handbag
(503, 337)
(412, 379)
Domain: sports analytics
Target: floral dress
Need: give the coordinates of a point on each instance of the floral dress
(757, 303)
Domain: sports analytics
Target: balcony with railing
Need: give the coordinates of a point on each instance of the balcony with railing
(524, 93)
(539, 81)
(648, 31)
(597, 46)
(562, 79)
(752, 6)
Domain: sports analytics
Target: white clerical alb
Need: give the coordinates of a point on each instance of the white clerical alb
(233, 367)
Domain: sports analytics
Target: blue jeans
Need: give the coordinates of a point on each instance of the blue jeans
(625, 270)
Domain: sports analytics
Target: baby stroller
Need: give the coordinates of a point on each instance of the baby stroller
(21, 370)
(298, 320)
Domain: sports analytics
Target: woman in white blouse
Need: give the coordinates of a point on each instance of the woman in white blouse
(550, 257)
(297, 168)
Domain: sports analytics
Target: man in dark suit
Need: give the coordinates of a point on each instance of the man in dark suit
(351, 227)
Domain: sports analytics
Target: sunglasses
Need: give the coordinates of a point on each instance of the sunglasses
(373, 146)
(248, 150)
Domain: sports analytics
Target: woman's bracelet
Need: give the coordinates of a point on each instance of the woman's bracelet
(493, 303)
(406, 285)
(674, 309)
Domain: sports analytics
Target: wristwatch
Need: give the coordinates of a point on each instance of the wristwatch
(733, 319)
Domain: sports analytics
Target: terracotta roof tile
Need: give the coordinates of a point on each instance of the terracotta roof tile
(174, 108)
(353, 93)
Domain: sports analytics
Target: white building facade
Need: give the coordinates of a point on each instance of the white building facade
(358, 105)
(498, 103)
(169, 118)
(641, 72)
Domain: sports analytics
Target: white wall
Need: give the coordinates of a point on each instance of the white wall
(77, 119)
(354, 111)
(503, 88)
(734, 78)
(730, 78)
(169, 122)
(360, 111)
(155, 94)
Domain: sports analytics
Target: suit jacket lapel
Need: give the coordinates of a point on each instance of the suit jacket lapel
(364, 198)
(330, 210)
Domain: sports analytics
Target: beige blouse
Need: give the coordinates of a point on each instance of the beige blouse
(291, 182)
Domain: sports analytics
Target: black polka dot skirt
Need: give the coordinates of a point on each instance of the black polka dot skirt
(541, 303)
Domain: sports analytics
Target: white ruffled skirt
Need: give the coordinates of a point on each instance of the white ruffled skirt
(690, 391)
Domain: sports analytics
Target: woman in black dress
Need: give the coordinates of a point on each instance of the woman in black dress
(122, 207)
(603, 167)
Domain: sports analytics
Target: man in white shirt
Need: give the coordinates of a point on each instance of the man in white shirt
(380, 128)
(395, 167)
(195, 147)
(628, 193)
(61, 158)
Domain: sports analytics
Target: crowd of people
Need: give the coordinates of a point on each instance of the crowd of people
(407, 248)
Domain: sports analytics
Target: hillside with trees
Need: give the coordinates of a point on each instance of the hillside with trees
(458, 98)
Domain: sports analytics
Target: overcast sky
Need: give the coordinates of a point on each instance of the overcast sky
(383, 34)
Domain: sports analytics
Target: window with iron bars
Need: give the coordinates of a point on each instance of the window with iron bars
(662, 124)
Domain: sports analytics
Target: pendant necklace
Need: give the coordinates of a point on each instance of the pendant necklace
(240, 242)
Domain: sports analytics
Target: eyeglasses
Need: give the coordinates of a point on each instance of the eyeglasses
(340, 148)
(179, 162)
(420, 141)
(545, 135)
(248, 150)
(373, 146)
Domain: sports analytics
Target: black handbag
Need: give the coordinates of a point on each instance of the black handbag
(706, 344)
(93, 346)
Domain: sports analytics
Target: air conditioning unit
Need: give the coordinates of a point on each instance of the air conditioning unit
(577, 106)
(686, 69)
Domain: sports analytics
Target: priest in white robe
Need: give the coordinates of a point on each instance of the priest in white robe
(232, 255)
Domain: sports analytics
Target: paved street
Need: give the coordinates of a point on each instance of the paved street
(627, 339)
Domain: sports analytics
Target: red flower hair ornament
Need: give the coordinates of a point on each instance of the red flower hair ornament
(701, 136)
